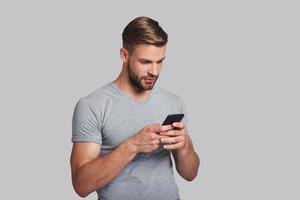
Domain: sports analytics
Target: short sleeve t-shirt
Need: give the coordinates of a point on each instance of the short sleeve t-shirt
(108, 116)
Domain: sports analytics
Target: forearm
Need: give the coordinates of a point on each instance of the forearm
(187, 161)
(97, 173)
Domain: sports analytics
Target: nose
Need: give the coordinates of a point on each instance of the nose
(154, 70)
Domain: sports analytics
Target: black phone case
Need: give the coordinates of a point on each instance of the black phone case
(170, 119)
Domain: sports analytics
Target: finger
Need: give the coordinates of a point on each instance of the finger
(173, 146)
(149, 148)
(169, 140)
(178, 125)
(169, 133)
(155, 142)
(166, 128)
(155, 127)
(161, 138)
(155, 136)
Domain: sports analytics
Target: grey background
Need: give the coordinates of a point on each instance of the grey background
(235, 64)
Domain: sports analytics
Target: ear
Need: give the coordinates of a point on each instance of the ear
(124, 55)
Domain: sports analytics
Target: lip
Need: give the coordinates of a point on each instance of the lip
(149, 80)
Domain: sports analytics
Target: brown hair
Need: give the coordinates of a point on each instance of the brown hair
(143, 30)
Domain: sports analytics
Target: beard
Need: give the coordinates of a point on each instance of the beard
(142, 83)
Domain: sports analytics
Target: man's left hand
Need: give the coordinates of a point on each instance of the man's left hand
(175, 136)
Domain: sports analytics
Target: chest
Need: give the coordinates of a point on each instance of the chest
(126, 119)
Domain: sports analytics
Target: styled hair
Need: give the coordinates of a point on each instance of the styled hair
(143, 30)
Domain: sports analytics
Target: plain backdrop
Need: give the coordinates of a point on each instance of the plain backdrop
(234, 63)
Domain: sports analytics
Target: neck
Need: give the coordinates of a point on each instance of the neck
(124, 84)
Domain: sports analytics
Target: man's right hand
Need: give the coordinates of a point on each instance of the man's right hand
(147, 139)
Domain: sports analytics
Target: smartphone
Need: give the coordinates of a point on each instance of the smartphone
(170, 119)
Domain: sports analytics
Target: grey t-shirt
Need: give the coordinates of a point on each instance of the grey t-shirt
(108, 116)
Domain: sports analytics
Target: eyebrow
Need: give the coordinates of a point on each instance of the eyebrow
(151, 60)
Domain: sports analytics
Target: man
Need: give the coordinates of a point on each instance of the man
(120, 149)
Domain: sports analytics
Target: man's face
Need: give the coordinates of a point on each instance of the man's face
(144, 65)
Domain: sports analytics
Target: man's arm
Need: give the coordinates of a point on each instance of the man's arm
(91, 171)
(186, 159)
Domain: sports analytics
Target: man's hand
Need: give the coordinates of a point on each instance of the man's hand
(147, 139)
(174, 136)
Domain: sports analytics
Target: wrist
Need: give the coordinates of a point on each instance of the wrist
(184, 150)
(130, 146)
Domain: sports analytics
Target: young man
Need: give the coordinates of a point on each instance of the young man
(120, 149)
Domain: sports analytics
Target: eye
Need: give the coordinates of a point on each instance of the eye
(144, 61)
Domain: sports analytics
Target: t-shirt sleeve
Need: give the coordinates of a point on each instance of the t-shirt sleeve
(85, 125)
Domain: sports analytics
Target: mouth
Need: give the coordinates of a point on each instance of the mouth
(150, 80)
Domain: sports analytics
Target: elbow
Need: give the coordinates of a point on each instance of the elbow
(192, 174)
(188, 175)
(81, 191)
(190, 178)
(82, 195)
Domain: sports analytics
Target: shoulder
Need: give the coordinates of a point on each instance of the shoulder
(101, 96)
